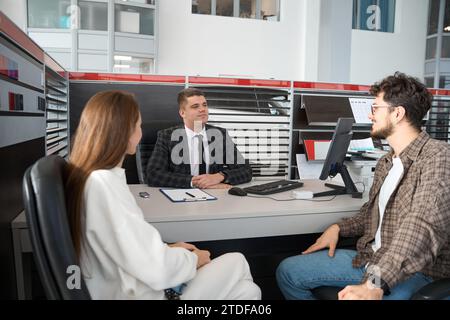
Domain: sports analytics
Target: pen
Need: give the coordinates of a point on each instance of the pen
(191, 195)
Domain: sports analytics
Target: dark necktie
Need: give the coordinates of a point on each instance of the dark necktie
(201, 158)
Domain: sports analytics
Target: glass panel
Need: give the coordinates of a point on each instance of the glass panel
(201, 6)
(224, 8)
(444, 82)
(143, 1)
(429, 82)
(134, 19)
(129, 64)
(431, 48)
(49, 14)
(446, 47)
(93, 15)
(269, 10)
(447, 17)
(433, 16)
(247, 9)
(374, 15)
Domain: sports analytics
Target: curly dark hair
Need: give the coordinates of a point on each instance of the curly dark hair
(408, 92)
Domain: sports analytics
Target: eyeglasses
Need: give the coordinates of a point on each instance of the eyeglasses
(374, 106)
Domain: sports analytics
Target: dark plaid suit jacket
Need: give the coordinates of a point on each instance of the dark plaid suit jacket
(169, 164)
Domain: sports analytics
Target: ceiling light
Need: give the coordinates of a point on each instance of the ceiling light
(447, 29)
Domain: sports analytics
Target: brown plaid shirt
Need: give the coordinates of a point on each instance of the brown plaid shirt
(415, 234)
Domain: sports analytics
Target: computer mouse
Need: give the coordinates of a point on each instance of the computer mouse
(235, 191)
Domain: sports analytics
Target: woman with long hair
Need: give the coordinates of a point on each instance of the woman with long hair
(121, 255)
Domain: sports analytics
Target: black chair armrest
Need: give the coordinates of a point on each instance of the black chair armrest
(326, 293)
(436, 290)
(347, 243)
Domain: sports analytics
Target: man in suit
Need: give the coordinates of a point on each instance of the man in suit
(196, 154)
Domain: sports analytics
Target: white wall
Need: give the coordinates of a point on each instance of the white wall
(335, 41)
(206, 45)
(16, 11)
(375, 54)
(310, 43)
(314, 41)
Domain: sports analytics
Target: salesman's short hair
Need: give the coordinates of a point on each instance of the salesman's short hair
(183, 95)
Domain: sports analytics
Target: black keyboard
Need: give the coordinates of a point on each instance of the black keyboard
(274, 187)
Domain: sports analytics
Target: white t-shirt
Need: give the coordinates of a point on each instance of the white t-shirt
(388, 187)
(123, 256)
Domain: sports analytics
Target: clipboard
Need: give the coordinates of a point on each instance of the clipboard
(187, 195)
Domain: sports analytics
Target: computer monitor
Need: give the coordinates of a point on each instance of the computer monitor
(334, 162)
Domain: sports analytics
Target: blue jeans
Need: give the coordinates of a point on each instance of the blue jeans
(297, 275)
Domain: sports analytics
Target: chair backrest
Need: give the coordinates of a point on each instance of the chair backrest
(136, 165)
(148, 141)
(132, 169)
(46, 212)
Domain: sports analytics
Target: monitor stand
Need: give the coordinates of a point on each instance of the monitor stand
(348, 188)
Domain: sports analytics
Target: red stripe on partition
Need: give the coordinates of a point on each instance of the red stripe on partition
(20, 38)
(83, 76)
(239, 82)
(439, 92)
(330, 86)
(124, 77)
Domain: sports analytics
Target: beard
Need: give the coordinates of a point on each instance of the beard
(383, 133)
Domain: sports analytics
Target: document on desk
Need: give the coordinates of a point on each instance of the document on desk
(187, 195)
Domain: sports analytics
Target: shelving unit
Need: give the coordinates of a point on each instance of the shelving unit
(257, 120)
(326, 107)
(22, 143)
(251, 108)
(438, 122)
(57, 113)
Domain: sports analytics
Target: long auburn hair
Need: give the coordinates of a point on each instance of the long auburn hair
(101, 141)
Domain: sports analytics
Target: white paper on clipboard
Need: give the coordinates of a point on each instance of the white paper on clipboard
(187, 195)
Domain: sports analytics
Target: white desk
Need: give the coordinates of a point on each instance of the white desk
(232, 217)
(228, 217)
(21, 244)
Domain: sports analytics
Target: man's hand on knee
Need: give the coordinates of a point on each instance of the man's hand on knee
(328, 239)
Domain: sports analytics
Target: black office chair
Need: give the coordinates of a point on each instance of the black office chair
(436, 290)
(133, 169)
(45, 208)
(136, 165)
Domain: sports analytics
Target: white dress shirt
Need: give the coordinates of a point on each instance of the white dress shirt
(193, 150)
